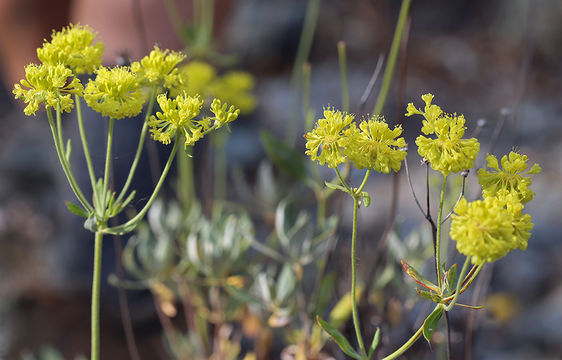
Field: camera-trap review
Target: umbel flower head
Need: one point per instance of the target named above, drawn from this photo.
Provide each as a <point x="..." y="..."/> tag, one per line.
<point x="484" y="229"/>
<point x="74" y="47"/>
<point x="449" y="152"/>
<point x="374" y="146"/>
<point x="115" y="92"/>
<point x="177" y="115"/>
<point x="510" y="177"/>
<point x="324" y="143"/>
<point x="159" y="68"/>
<point x="51" y="85"/>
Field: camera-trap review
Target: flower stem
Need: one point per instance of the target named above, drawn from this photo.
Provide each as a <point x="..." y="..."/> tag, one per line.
<point x="85" y="143"/>
<point x="140" y="146"/>
<point x="459" y="283"/>
<point x="406" y="345"/>
<point x="95" y="335"/>
<point x="129" y="225"/>
<point x="108" y="155"/>
<point x="65" y="166"/>
<point x="439" y="226"/>
<point x="354" y="278"/>
<point x="392" y="56"/>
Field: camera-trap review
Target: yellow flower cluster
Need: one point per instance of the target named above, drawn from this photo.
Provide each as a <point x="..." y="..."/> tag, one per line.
<point x="510" y="178"/>
<point x="336" y="139"/>
<point x="483" y="229"/>
<point x="48" y="84"/>
<point x="234" y="87"/>
<point x="488" y="229"/>
<point x="159" y="68"/>
<point x="115" y="92"/>
<point x="374" y="146"/>
<point x="179" y="114"/>
<point x="73" y="47"/>
<point x="448" y="152"/>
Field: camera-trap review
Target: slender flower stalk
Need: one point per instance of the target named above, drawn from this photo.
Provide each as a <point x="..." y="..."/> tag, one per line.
<point x="95" y="310"/>
<point x="439" y="226"/>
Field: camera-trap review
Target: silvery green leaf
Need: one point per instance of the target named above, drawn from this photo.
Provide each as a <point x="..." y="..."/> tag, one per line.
<point x="285" y="284"/>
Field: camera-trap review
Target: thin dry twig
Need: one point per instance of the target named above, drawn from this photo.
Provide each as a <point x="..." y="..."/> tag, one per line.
<point x="371" y="85"/>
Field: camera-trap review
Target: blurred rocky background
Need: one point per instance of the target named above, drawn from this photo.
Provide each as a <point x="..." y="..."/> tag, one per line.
<point x="493" y="60"/>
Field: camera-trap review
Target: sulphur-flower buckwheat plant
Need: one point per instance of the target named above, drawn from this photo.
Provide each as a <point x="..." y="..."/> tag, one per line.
<point x="334" y="141"/>
<point x="484" y="230"/>
<point x="117" y="93"/>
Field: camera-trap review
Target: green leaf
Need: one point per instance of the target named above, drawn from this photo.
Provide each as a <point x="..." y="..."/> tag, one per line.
<point x="430" y="324"/>
<point x="76" y="210"/>
<point x="366" y="198"/>
<point x="91" y="223"/>
<point x="335" y="187"/>
<point x="338" y="337"/>
<point x="452" y="279"/>
<point x="430" y="295"/>
<point x="374" y="343"/>
<point x="285" y="284"/>
<point x="283" y="156"/>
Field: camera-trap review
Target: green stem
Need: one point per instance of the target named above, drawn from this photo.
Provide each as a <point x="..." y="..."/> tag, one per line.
<point x="108" y="155"/>
<point x="365" y="178"/>
<point x="95" y="335"/>
<point x="438" y="237"/>
<point x="129" y="225"/>
<point x="406" y="345"/>
<point x="343" y="182"/>
<point x="459" y="283"/>
<point x="140" y="147"/>
<point x="65" y="166"/>
<point x="343" y="75"/>
<point x="392" y="56"/>
<point x="354" y="279"/>
<point x="85" y="143"/>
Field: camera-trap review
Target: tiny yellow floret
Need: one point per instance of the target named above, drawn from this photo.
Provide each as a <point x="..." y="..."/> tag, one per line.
<point x="51" y="85"/>
<point x="115" y="92"/>
<point x="74" y="47"/>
